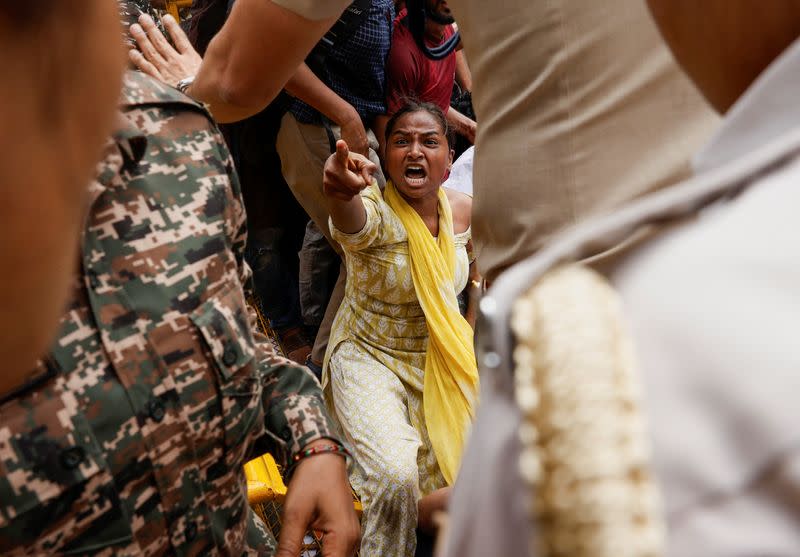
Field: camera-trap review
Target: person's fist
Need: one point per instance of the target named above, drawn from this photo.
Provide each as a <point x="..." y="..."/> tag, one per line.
<point x="319" y="499"/>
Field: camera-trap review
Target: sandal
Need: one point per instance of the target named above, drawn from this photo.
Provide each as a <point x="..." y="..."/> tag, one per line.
<point x="295" y="344"/>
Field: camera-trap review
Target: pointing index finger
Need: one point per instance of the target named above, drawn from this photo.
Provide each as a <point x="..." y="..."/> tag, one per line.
<point x="342" y="152"/>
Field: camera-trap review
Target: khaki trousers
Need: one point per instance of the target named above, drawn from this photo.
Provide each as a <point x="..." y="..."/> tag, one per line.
<point x="581" y="108"/>
<point x="303" y="150"/>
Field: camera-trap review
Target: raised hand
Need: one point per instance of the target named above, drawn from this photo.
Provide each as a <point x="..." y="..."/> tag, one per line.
<point x="346" y="173"/>
<point x="159" y="59"/>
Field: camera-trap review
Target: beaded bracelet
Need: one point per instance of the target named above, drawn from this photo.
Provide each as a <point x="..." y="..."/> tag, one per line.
<point x="322" y="449"/>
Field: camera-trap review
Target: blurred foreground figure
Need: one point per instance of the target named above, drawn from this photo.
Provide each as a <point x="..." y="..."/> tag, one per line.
<point x="582" y="108"/>
<point x="700" y="311"/>
<point x="56" y="114"/>
<point x="132" y="437"/>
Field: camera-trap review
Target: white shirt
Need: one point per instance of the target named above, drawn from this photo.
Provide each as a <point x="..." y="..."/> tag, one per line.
<point x="460" y="178"/>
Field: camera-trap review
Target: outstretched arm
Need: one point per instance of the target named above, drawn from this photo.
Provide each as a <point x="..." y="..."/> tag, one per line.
<point x="252" y="57"/>
<point x="319" y="496"/>
<point x="310" y="89"/>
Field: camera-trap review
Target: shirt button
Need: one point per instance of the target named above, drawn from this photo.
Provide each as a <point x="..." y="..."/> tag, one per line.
<point x="94" y="281"/>
<point x="156" y="410"/>
<point x="191" y="531"/>
<point x="230" y="355"/>
<point x="72" y="458"/>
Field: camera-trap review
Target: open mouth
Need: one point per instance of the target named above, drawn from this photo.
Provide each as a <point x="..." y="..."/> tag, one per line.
<point x="415" y="175"/>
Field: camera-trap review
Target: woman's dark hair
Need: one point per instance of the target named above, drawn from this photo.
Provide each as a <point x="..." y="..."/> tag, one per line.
<point x="416" y="106"/>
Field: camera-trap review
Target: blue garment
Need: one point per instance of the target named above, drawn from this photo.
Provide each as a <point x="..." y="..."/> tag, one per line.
<point x="355" y="70"/>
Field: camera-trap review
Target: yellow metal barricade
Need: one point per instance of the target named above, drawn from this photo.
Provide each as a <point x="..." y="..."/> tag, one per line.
<point x="174" y="7"/>
<point x="266" y="490"/>
<point x="266" y="493"/>
<point x="264" y="481"/>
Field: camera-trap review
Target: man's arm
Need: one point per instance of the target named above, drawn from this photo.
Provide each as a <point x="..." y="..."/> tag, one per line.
<point x="309" y="88"/>
<point x="247" y="63"/>
<point x="293" y="405"/>
<point x="463" y="73"/>
<point x="461" y="124"/>
<point x="318" y="495"/>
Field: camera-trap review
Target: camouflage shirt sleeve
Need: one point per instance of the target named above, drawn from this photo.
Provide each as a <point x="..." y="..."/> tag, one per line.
<point x="293" y="403"/>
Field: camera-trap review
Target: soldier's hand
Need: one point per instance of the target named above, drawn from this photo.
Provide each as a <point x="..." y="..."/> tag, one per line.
<point x="319" y="499"/>
<point x="346" y="173"/>
<point x="159" y="59"/>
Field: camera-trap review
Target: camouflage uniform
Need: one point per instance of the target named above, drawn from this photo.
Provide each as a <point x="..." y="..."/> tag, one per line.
<point x="130" y="436"/>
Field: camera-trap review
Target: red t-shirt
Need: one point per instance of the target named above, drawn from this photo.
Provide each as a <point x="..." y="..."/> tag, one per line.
<point x="411" y="74"/>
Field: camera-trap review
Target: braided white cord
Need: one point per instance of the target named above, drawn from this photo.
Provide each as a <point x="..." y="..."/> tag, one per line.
<point x="585" y="446"/>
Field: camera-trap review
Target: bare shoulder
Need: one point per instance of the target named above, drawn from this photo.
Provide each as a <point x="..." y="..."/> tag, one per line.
<point x="461" y="205"/>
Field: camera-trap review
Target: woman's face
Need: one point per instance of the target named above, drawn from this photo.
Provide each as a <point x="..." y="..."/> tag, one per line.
<point x="417" y="155"/>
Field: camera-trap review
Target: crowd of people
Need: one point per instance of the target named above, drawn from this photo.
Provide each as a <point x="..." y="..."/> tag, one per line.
<point x="630" y="251"/>
<point x="372" y="336"/>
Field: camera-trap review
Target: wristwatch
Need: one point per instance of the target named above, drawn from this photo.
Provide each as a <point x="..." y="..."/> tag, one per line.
<point x="184" y="84"/>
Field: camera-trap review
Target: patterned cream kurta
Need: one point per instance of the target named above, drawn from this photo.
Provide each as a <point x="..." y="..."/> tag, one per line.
<point x="374" y="373"/>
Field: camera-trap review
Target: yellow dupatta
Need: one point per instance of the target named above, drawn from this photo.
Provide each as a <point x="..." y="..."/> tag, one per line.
<point x="451" y="376"/>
